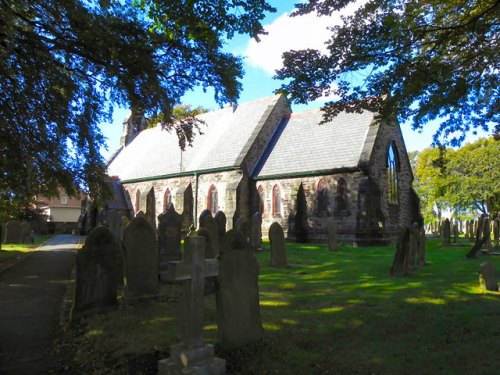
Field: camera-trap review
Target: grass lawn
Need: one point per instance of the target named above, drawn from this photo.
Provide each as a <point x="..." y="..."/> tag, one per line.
<point x="10" y="252"/>
<point x="329" y="313"/>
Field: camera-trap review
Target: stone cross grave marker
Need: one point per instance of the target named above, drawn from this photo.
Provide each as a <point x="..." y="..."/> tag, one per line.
<point x="192" y="355"/>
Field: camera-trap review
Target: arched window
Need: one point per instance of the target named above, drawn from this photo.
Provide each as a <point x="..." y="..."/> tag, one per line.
<point x="392" y="174"/>
<point x="276" y="200"/>
<point x="262" y="199"/>
<point x="322" y="198"/>
<point x="341" y="195"/>
<point x="212" y="200"/>
<point x="167" y="200"/>
<point x="137" y="200"/>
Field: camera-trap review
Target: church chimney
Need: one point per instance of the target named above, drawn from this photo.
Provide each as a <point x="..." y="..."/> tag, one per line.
<point x="133" y="124"/>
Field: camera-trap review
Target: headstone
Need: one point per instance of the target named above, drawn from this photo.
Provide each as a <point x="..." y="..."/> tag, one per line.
<point x="13" y="232"/>
<point x="220" y="219"/>
<point x="124" y="223"/>
<point x="192" y="355"/>
<point x="243" y="226"/>
<point x="278" y="251"/>
<point x="141" y="260"/>
<point x="169" y="237"/>
<point x="239" y="320"/>
<point x="205" y="213"/>
<point x="208" y="222"/>
<point x="98" y="273"/>
<point x="26" y="234"/>
<point x="467" y="229"/>
<point x="402" y="248"/>
<point x="455" y="233"/>
<point x="255" y="232"/>
<point x="446" y="233"/>
<point x="488" y="277"/>
<point x="496" y="232"/>
<point x="332" y="235"/>
<point x="411" y="259"/>
<point x="421" y="249"/>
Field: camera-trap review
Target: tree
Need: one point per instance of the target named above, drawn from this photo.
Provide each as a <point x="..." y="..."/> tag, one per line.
<point x="420" y="59"/>
<point x="65" y="63"/>
<point x="473" y="177"/>
<point x="465" y="180"/>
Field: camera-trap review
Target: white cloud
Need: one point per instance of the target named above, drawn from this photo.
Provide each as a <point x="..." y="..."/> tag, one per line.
<point x="287" y="33"/>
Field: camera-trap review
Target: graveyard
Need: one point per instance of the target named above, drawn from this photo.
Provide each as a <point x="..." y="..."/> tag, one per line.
<point x="324" y="312"/>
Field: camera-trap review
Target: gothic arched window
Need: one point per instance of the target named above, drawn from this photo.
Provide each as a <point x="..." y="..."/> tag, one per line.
<point x="322" y="197"/>
<point x="212" y="204"/>
<point x="392" y="174"/>
<point x="262" y="199"/>
<point x="341" y="195"/>
<point x="137" y="200"/>
<point x="276" y="200"/>
<point x="167" y="200"/>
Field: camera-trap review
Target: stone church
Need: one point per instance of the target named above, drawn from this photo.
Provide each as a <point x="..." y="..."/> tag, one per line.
<point x="261" y="157"/>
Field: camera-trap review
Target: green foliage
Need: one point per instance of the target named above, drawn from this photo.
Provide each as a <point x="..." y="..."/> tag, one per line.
<point x="466" y="180"/>
<point x="64" y="63"/>
<point x="422" y="59"/>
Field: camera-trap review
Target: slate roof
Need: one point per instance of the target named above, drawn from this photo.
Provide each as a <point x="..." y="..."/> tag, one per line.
<point x="155" y="152"/>
<point x="301" y="145"/>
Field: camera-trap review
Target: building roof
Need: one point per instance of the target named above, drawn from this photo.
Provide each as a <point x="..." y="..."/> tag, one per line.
<point x="155" y="152"/>
<point x="301" y="145"/>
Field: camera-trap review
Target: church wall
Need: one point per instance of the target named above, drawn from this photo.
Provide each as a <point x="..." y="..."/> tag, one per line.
<point x="396" y="215"/>
<point x="316" y="217"/>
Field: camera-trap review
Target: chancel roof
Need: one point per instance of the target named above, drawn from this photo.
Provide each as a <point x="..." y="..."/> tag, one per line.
<point x="155" y="152"/>
<point x="300" y="145"/>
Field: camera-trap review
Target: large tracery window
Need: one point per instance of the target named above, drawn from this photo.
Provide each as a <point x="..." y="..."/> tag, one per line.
<point x="213" y="204"/>
<point x="322" y="194"/>
<point x="167" y="200"/>
<point x="262" y="199"/>
<point x="392" y="174"/>
<point x="276" y="201"/>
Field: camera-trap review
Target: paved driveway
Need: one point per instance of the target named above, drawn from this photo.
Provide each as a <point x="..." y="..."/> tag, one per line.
<point x="31" y="294"/>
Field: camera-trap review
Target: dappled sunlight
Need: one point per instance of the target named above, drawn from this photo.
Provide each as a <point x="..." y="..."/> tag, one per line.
<point x="157" y="320"/>
<point x="291" y="322"/>
<point x="95" y="333"/>
<point x="210" y="328"/>
<point x="271" y="326"/>
<point x="273" y="303"/>
<point x="426" y="300"/>
<point x="331" y="310"/>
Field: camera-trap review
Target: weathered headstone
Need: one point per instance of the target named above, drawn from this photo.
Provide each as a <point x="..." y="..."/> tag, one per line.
<point x="332" y="235"/>
<point x="169" y="237"/>
<point x="496" y="232"/>
<point x="123" y="224"/>
<point x="239" y="320"/>
<point x="255" y="232"/>
<point x="421" y="249"/>
<point x="402" y="248"/>
<point x="278" y="248"/>
<point x="411" y="259"/>
<point x="455" y="233"/>
<point x="141" y="260"/>
<point x="243" y="226"/>
<point x="98" y="273"/>
<point x="208" y="222"/>
<point x="114" y="222"/>
<point x="13" y="232"/>
<point x="446" y="233"/>
<point x="488" y="277"/>
<point x="192" y="355"/>
<point x="220" y="219"/>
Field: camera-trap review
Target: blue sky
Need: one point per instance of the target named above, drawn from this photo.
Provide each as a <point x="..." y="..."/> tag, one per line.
<point x="260" y="62"/>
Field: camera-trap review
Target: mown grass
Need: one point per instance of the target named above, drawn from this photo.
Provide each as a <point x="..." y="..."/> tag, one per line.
<point x="338" y="313"/>
<point x="11" y="251"/>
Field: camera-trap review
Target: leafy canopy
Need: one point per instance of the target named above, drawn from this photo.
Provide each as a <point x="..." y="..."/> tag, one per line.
<point x="65" y="63"/>
<point x="423" y="59"/>
<point x="466" y="180"/>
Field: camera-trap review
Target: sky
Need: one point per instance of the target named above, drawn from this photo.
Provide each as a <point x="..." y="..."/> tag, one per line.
<point x="261" y="61"/>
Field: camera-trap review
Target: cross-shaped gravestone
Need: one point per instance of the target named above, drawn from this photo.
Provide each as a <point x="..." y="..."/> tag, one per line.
<point x="192" y="354"/>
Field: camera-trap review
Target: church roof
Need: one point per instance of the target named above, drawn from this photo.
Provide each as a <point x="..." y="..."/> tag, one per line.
<point x="155" y="152"/>
<point x="300" y="145"/>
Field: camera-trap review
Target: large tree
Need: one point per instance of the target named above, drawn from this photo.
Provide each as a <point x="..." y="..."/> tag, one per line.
<point x="65" y="63"/>
<point x="419" y="59"/>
